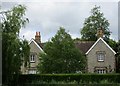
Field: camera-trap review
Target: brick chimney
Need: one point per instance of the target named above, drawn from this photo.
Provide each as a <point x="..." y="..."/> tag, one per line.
<point x="100" y="33"/>
<point x="38" y="37"/>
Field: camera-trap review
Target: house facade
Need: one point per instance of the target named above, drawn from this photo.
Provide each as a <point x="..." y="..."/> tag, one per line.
<point x="100" y="56"/>
<point x="35" y="50"/>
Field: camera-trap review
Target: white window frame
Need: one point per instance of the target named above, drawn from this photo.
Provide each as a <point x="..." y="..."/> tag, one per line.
<point x="101" y="71"/>
<point x="32" y="71"/>
<point x="32" y="58"/>
<point x="100" y="56"/>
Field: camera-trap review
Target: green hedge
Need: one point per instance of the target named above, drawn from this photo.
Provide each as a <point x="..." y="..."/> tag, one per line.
<point x="79" y="78"/>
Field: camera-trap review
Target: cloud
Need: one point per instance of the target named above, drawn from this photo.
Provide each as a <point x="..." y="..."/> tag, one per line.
<point x="47" y="17"/>
<point x="8" y="5"/>
<point x="60" y="0"/>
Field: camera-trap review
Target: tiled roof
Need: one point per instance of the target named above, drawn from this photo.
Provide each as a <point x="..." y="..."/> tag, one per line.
<point x="84" y="46"/>
<point x="40" y="44"/>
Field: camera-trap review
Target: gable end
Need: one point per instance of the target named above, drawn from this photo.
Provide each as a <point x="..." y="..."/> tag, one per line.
<point x="32" y="40"/>
<point x="103" y="42"/>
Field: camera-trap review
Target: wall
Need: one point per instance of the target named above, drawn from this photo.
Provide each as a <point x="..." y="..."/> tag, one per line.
<point x="92" y="58"/>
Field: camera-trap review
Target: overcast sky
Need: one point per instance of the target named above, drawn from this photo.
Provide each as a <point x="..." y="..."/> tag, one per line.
<point x="47" y="17"/>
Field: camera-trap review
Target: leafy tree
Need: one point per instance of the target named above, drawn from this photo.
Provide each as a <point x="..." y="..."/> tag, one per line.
<point x="94" y="22"/>
<point x="118" y="58"/>
<point x="14" y="49"/>
<point x="61" y="55"/>
<point x="113" y="44"/>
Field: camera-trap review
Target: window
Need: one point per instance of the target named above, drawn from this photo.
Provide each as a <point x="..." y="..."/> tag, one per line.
<point x="100" y="56"/>
<point x="101" y="71"/>
<point x="32" y="71"/>
<point x="32" y="58"/>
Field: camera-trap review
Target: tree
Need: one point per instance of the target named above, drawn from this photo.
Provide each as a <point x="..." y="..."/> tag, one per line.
<point x="113" y="44"/>
<point x="118" y="58"/>
<point x="14" y="49"/>
<point x="94" y="22"/>
<point x="61" y="55"/>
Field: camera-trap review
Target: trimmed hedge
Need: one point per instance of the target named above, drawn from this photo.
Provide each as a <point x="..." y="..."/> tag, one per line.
<point x="79" y="78"/>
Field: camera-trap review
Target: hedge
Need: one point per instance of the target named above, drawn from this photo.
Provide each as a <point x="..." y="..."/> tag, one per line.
<point x="79" y="78"/>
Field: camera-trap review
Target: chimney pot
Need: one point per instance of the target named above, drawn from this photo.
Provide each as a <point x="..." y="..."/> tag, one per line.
<point x="100" y="33"/>
<point x="38" y="37"/>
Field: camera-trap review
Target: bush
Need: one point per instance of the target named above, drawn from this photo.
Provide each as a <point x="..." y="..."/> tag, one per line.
<point x="69" y="78"/>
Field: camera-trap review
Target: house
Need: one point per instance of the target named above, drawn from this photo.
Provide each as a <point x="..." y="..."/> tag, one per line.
<point x="100" y="56"/>
<point x="36" y="47"/>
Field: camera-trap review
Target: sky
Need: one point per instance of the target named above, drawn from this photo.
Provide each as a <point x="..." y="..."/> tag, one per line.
<point x="47" y="16"/>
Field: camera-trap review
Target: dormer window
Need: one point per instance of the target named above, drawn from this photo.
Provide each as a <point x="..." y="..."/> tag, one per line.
<point x="100" y="56"/>
<point x="32" y="57"/>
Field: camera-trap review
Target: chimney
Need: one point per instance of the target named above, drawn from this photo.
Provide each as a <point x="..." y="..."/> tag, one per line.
<point x="100" y="33"/>
<point x="38" y="37"/>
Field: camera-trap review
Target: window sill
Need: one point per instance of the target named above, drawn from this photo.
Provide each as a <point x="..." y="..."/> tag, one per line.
<point x="32" y="61"/>
<point x="100" y="60"/>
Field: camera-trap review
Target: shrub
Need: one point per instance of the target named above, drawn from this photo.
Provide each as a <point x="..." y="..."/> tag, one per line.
<point x="69" y="78"/>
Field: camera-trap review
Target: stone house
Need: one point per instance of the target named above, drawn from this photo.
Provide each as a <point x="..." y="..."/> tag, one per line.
<point x="100" y="56"/>
<point x="36" y="47"/>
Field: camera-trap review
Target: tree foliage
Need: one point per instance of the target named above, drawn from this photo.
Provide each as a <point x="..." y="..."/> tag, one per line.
<point x="113" y="44"/>
<point x="61" y="55"/>
<point x="118" y="58"/>
<point x="94" y="22"/>
<point x="14" y="49"/>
